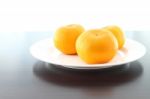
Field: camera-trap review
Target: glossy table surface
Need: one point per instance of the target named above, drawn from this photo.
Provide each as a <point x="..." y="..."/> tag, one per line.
<point x="24" y="77"/>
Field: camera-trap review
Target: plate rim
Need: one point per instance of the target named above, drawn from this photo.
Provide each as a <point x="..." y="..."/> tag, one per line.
<point x="93" y="66"/>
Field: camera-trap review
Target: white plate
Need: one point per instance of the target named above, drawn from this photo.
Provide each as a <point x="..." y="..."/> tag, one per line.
<point x="44" y="50"/>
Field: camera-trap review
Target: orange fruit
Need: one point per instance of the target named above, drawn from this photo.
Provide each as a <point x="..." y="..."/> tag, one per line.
<point x="96" y="46"/>
<point x="118" y="33"/>
<point x="65" y="38"/>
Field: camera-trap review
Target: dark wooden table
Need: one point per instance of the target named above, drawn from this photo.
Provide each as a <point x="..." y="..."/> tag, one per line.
<point x="24" y="77"/>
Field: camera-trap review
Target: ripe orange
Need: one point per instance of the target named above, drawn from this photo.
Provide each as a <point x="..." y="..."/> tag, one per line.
<point x="118" y="33"/>
<point x="65" y="38"/>
<point x="96" y="46"/>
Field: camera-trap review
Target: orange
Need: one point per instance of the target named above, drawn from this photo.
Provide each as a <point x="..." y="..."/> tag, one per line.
<point x="96" y="46"/>
<point x="118" y="33"/>
<point x="65" y="38"/>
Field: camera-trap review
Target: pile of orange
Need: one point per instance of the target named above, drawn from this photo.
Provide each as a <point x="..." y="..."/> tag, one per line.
<point x="92" y="46"/>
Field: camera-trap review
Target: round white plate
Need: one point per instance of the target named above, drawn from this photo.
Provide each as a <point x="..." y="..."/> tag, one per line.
<point x="44" y="50"/>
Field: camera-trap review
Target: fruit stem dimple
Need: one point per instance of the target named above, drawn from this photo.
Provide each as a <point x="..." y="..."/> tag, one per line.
<point x="96" y="34"/>
<point x="71" y="25"/>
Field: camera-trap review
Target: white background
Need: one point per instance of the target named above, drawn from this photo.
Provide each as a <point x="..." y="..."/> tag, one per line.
<point x="47" y="15"/>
